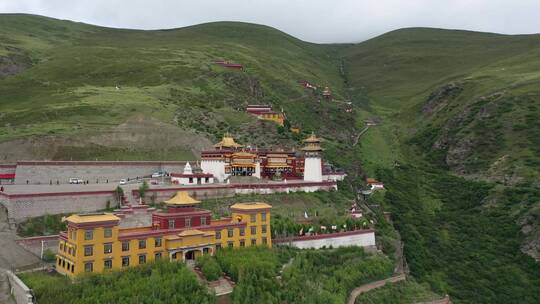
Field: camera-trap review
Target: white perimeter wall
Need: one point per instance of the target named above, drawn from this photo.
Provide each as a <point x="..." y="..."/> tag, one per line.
<point x="363" y="240"/>
<point x="44" y="174"/>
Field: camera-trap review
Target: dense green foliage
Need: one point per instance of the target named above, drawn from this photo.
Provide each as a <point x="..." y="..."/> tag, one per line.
<point x="233" y="261"/>
<point x="456" y="242"/>
<point x="209" y="267"/>
<point x="42" y="225"/>
<point x="328" y="276"/>
<point x="397" y="293"/>
<point x="160" y="282"/>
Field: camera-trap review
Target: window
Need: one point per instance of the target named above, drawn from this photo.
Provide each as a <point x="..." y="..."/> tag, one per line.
<point x="230" y="244"/>
<point x="188" y="222"/>
<point x="88" y="234"/>
<point x="191" y="180"/>
<point x="59" y="261"/>
<point x="264" y="241"/>
<point x="107" y="232"/>
<point x="88" y="267"/>
<point x="107" y="264"/>
<point x="253" y="242"/>
<point x="203" y="220"/>
<point x="253" y="230"/>
<point x="157" y="256"/>
<point x="171" y="224"/>
<point x="218" y="235"/>
<point x="242" y="231"/>
<point x="69" y="250"/>
<point x="142" y="244"/>
<point x="157" y="242"/>
<point x="88" y="250"/>
<point x="107" y="248"/>
<point x="218" y="247"/>
<point x="73" y="251"/>
<point x="61" y="246"/>
<point x="263" y="216"/>
<point x="72" y="268"/>
<point x="253" y="218"/>
<point x="242" y="243"/>
<point x="125" y="246"/>
<point x="264" y="229"/>
<point x="142" y="259"/>
<point x="230" y="232"/>
<point x="125" y="261"/>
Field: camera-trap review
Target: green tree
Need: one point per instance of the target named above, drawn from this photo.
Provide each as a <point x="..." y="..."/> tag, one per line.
<point x="118" y="194"/>
<point x="142" y="190"/>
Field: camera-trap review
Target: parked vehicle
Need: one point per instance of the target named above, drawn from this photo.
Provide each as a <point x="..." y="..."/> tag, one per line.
<point x="123" y="182"/>
<point x="158" y="174"/>
<point x="75" y="180"/>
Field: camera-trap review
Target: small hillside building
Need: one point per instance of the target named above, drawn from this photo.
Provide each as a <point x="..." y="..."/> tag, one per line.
<point x="265" y="112"/>
<point x="189" y="177"/>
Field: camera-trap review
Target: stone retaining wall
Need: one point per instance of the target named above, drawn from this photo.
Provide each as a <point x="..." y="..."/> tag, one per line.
<point x="22" y="206"/>
<point x="46" y="172"/>
<point x="228" y="190"/>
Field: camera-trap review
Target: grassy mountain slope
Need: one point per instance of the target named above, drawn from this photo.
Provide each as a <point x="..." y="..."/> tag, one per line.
<point x="469" y="99"/>
<point x="63" y="76"/>
<point x="452" y="104"/>
<point x="457" y="103"/>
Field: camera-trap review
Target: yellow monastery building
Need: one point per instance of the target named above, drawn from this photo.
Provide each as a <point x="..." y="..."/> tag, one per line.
<point x="95" y="242"/>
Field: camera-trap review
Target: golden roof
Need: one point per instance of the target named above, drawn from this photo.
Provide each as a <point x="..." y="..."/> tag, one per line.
<point x="243" y="154"/>
<point x="313" y="144"/>
<point x="227" y="142"/>
<point x="91" y="218"/>
<point x="190" y="232"/>
<point x="312" y="139"/>
<point x="251" y="206"/>
<point x="182" y="198"/>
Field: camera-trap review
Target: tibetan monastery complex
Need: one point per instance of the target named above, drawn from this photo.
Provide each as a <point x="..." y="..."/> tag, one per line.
<point x="95" y="242"/>
<point x="45" y="187"/>
<point x="229" y="158"/>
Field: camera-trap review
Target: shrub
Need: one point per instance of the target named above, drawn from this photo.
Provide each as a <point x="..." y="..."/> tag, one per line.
<point x="209" y="267"/>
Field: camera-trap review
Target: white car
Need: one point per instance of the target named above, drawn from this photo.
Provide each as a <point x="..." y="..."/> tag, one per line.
<point x="158" y="174"/>
<point x="74" y="180"/>
<point x="123" y="182"/>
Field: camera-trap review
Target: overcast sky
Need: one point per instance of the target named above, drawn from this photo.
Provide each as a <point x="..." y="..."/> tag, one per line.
<point x="310" y="20"/>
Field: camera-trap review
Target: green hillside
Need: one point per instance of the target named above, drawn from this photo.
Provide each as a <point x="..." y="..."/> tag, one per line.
<point x="457" y="142"/>
<point x="60" y="79"/>
<point x="457" y="103"/>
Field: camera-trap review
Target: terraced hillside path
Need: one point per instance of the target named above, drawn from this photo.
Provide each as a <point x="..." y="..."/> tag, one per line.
<point x="373" y="285"/>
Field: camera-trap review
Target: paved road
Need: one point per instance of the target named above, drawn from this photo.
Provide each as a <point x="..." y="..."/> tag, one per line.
<point x="373" y="285"/>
